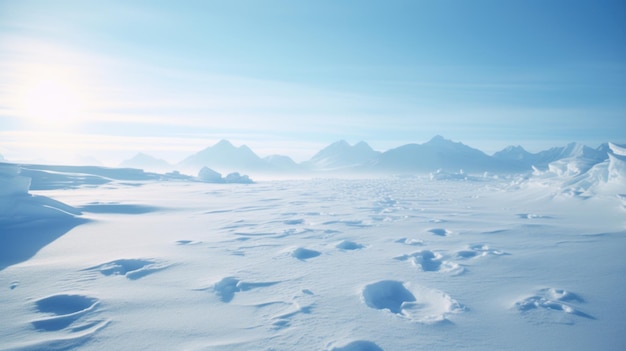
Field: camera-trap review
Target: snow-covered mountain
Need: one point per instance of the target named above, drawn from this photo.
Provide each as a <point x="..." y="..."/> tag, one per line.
<point x="581" y="173"/>
<point x="282" y="163"/>
<point x="439" y="154"/>
<point x="573" y="157"/>
<point x="146" y="162"/>
<point x="617" y="163"/>
<point x="515" y="154"/>
<point x="341" y="156"/>
<point x="225" y="157"/>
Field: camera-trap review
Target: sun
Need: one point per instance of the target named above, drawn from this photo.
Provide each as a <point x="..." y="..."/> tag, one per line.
<point x="52" y="100"/>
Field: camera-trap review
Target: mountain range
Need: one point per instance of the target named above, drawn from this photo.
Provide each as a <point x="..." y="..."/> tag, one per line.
<point x="438" y="154"/>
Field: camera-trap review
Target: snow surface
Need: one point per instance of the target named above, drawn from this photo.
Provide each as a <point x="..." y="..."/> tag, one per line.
<point x="392" y="263"/>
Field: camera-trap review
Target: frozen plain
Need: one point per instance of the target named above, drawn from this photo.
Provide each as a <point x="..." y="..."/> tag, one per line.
<point x="409" y="263"/>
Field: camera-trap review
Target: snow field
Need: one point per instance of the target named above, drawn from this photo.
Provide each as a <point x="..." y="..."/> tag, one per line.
<point x="384" y="264"/>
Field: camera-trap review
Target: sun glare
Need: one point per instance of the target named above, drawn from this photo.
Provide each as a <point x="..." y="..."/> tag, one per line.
<point x="51" y="99"/>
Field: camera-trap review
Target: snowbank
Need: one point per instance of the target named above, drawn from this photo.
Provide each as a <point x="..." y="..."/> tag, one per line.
<point x="584" y="176"/>
<point x="28" y="223"/>
<point x="11" y="183"/>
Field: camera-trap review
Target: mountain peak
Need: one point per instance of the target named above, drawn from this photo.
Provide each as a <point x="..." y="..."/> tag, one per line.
<point x="361" y="145"/>
<point x="340" y="155"/>
<point x="517" y="148"/>
<point x="224" y="144"/>
<point x="437" y="139"/>
<point x="340" y="143"/>
<point x="514" y="153"/>
<point x="226" y="157"/>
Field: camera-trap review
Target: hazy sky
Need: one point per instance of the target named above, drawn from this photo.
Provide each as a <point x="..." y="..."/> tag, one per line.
<point x="111" y="78"/>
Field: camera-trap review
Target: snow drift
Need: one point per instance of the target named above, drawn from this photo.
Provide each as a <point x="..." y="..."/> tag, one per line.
<point x="27" y="222"/>
<point x="585" y="175"/>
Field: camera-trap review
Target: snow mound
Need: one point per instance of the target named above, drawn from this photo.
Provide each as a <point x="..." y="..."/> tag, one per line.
<point x="387" y="295"/>
<point x="348" y="245"/>
<point x="67" y="321"/>
<point x="304" y="254"/>
<point x="65" y="309"/>
<point x="417" y="304"/>
<point x="440" y="231"/>
<point x="429" y="261"/>
<point x="479" y="250"/>
<point x="358" y="345"/>
<point x="410" y="241"/>
<point x="553" y="300"/>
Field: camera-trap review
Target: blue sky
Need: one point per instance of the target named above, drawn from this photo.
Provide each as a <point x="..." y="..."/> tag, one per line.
<point x="111" y="78"/>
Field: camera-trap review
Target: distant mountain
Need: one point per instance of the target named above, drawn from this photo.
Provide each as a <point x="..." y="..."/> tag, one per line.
<point x="341" y="156"/>
<point x="282" y="163"/>
<point x="514" y="153"/>
<point x="146" y="162"/>
<point x="439" y="154"/>
<point x="225" y="157"/>
<point x="1" y="158"/>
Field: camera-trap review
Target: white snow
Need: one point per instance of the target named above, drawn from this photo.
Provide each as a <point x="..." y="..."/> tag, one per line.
<point x="617" y="149"/>
<point x="391" y="263"/>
